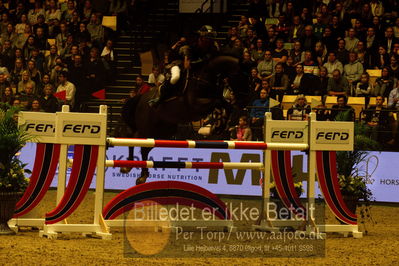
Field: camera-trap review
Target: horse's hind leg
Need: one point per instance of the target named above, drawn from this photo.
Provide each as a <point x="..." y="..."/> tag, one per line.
<point x="145" y="173"/>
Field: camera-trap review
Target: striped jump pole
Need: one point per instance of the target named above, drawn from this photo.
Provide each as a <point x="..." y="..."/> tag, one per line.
<point x="188" y="165"/>
<point x="192" y="144"/>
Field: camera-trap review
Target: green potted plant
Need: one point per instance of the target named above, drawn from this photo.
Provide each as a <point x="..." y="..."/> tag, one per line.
<point x="12" y="171"/>
<point x="352" y="183"/>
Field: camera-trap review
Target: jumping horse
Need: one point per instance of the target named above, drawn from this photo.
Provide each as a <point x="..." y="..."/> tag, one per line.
<point x="199" y="92"/>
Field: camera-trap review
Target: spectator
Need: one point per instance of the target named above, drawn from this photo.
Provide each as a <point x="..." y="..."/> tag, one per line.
<point x="45" y="81"/>
<point x="394" y="66"/>
<point x="308" y="40"/>
<point x="279" y="54"/>
<point x="342" y="111"/>
<point x="384" y="84"/>
<point x="257" y="114"/>
<point x="82" y="35"/>
<point x="333" y="64"/>
<point x="26" y="81"/>
<point x="35" y="12"/>
<point x="61" y="38"/>
<point x="278" y="83"/>
<point x="254" y="84"/>
<point x="52" y="13"/>
<point x="7" y="96"/>
<point x="322" y="83"/>
<point x="329" y="40"/>
<point x="320" y="53"/>
<point x="95" y="71"/>
<point x="96" y="31"/>
<point x="301" y="83"/>
<point x="341" y="53"/>
<point x="29" y="46"/>
<point x="68" y="13"/>
<point x="23" y="37"/>
<point x="35" y="106"/>
<point x="3" y="83"/>
<point x="377" y="8"/>
<point x="68" y="87"/>
<point x="49" y="60"/>
<point x="87" y="11"/>
<point x="267" y="65"/>
<point x="296" y="30"/>
<point x="319" y="27"/>
<point x="389" y="40"/>
<point x="353" y="70"/>
<point x="108" y="56"/>
<point x="27" y="96"/>
<point x="351" y="41"/>
<point x="41" y="24"/>
<point x="381" y="59"/>
<point x="59" y="67"/>
<point x="271" y="39"/>
<point x="48" y="101"/>
<point x="141" y="86"/>
<point x="16" y="74"/>
<point x="337" y="85"/>
<point x="247" y="63"/>
<point x="300" y="110"/>
<point x="155" y="78"/>
<point x="34" y="74"/>
<point x="258" y="53"/>
<point x="297" y="54"/>
<point x="379" y="121"/>
<point x="242" y="132"/>
<point x="10" y="35"/>
<point x="364" y="88"/>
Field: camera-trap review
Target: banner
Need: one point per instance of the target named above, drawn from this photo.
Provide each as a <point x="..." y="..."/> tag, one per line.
<point x="377" y="170"/>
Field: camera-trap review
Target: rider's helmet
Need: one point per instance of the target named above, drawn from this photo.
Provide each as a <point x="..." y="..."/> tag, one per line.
<point x="207" y="31"/>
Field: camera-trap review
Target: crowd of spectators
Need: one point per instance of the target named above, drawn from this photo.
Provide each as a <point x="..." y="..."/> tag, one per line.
<point x="320" y="48"/>
<point x="50" y="46"/>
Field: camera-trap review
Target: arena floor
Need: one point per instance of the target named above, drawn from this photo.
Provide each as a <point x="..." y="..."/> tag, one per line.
<point x="379" y="247"/>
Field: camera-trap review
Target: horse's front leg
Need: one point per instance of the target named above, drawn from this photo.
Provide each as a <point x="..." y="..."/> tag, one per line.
<point x="130" y="157"/>
<point x="145" y="173"/>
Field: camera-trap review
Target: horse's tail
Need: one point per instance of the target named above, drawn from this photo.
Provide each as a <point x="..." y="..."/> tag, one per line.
<point x="129" y="111"/>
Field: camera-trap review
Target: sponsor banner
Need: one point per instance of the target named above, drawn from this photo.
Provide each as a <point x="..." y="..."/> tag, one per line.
<point x="287" y="131"/>
<point x="41" y="125"/>
<point x="327" y="136"/>
<point x="377" y="170"/>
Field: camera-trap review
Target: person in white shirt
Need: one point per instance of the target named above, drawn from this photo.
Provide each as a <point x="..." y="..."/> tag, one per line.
<point x="67" y="86"/>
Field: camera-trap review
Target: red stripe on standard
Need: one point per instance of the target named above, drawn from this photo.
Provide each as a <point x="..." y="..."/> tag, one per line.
<point x="250" y="146"/>
<point x="132" y="164"/>
<point x="171" y="143"/>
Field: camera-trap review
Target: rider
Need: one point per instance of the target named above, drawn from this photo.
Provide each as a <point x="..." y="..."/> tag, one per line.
<point x="192" y="56"/>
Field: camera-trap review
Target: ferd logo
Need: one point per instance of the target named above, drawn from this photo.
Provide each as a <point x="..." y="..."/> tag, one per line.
<point x="81" y="129"/>
<point x="288" y="135"/>
<point x="40" y="128"/>
<point x="332" y="136"/>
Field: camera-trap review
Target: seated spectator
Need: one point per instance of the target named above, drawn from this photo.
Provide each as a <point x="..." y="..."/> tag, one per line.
<point x="35" y="106"/>
<point x="34" y="74"/>
<point x="300" y="110"/>
<point x="267" y="65"/>
<point x="394" y="66"/>
<point x="278" y="83"/>
<point x="21" y="26"/>
<point x="342" y="53"/>
<point x="364" y="88"/>
<point x="29" y="46"/>
<point x="96" y="31"/>
<point x="16" y="74"/>
<point x="337" y="85"/>
<point x="297" y="29"/>
<point x="393" y="99"/>
<point x="26" y="81"/>
<point x="247" y="63"/>
<point x="351" y="41"/>
<point x="83" y="35"/>
<point x="109" y="56"/>
<point x="254" y="84"/>
<point x="381" y="59"/>
<point x="61" y="38"/>
<point x="41" y="40"/>
<point x="9" y="35"/>
<point x="35" y="12"/>
<point x="309" y="65"/>
<point x="297" y="54"/>
<point x="59" y="67"/>
<point x="379" y="121"/>
<point x="279" y="54"/>
<point x="342" y="111"/>
<point x="3" y="83"/>
<point x="329" y="40"/>
<point x="258" y="52"/>
<point x="49" y="60"/>
<point x="155" y="78"/>
<point x="45" y="81"/>
<point x="27" y="96"/>
<point x="384" y="84"/>
<point x="95" y="71"/>
<point x="321" y="83"/>
<point x="7" y="96"/>
<point x="353" y="70"/>
<point x="16" y="102"/>
<point x="141" y="86"/>
<point x="257" y="114"/>
<point x="48" y="101"/>
<point x="68" y="87"/>
<point x="308" y="40"/>
<point x="242" y="132"/>
<point x="333" y="64"/>
<point x="301" y="83"/>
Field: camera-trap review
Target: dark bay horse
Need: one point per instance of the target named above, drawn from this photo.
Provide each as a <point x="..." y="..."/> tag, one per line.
<point x="199" y="93"/>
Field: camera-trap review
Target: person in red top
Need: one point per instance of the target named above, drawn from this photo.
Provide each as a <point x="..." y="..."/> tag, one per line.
<point x="142" y="87"/>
